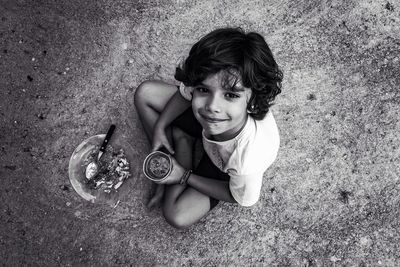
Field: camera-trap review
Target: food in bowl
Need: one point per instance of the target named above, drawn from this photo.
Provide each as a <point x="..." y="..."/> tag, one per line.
<point x="157" y="166"/>
<point x="114" y="169"/>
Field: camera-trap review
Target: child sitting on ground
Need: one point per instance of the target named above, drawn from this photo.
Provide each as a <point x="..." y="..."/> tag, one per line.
<point x="227" y="85"/>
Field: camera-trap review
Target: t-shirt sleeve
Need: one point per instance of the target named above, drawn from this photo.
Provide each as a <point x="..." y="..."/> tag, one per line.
<point x="246" y="189"/>
<point x="186" y="91"/>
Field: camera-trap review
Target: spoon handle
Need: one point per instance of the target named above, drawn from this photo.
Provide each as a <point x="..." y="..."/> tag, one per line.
<point x="105" y="142"/>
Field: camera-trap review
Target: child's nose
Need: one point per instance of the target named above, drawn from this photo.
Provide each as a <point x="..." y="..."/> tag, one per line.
<point x="213" y="104"/>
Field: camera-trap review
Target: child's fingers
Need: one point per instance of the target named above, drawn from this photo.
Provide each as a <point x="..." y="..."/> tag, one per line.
<point x="170" y="149"/>
<point x="155" y="147"/>
<point x="154" y="201"/>
<point x="160" y="144"/>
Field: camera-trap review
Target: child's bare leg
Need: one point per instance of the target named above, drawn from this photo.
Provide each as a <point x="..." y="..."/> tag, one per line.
<point x="150" y="99"/>
<point x="184" y="205"/>
<point x="188" y="208"/>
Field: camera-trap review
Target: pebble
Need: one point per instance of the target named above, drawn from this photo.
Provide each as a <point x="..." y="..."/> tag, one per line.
<point x="129" y="62"/>
<point x="334" y="259"/>
<point x="64" y="187"/>
<point x="41" y="116"/>
<point x="365" y="241"/>
<point x="78" y="213"/>
<point x="311" y="97"/>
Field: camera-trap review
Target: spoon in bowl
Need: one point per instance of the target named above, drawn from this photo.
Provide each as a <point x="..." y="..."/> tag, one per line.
<point x="93" y="168"/>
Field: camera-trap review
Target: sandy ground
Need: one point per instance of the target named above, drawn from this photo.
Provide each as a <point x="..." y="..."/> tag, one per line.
<point x="69" y="68"/>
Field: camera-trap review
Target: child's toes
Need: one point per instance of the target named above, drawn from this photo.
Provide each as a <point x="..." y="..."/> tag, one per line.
<point x="158" y="195"/>
<point x="154" y="201"/>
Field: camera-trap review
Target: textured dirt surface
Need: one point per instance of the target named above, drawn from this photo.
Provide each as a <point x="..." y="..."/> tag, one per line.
<point x="69" y="68"/>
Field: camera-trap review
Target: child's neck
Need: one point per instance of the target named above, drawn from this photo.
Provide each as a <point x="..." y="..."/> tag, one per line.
<point x="228" y="136"/>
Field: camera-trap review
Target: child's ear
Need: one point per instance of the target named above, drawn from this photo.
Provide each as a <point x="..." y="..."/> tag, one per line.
<point x="251" y="109"/>
<point x="251" y="104"/>
<point x="249" y="95"/>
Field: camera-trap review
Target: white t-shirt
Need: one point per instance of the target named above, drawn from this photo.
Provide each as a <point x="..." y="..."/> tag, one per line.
<point x="246" y="157"/>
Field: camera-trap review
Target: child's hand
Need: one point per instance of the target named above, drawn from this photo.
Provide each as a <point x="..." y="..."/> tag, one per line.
<point x="160" y="140"/>
<point x="176" y="174"/>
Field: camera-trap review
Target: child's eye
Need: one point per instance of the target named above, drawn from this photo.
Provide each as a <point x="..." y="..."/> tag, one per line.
<point x="231" y="95"/>
<point x="202" y="89"/>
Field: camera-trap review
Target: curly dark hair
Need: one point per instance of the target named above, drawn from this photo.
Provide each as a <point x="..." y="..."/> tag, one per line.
<point x="234" y="51"/>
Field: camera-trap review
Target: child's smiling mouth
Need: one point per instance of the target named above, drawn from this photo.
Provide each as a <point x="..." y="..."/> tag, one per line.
<point x="211" y="119"/>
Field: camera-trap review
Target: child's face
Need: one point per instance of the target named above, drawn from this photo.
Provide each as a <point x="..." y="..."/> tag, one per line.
<point x="221" y="112"/>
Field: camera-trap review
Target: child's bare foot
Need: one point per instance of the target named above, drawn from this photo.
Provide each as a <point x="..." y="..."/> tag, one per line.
<point x="157" y="197"/>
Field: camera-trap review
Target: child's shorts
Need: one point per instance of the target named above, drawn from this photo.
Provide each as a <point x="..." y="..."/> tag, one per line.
<point x="188" y="123"/>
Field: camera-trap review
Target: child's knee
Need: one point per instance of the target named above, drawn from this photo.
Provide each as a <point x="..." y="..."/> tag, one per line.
<point x="175" y="217"/>
<point x="143" y="92"/>
<point x="180" y="136"/>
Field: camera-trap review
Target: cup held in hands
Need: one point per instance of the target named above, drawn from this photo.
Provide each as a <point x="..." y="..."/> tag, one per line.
<point x="157" y="166"/>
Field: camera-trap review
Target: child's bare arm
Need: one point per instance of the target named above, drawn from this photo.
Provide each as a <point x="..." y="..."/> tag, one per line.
<point x="174" y="107"/>
<point x="211" y="187"/>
